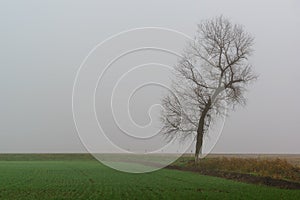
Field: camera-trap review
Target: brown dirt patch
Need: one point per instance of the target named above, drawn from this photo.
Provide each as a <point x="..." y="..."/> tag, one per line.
<point x="247" y="178"/>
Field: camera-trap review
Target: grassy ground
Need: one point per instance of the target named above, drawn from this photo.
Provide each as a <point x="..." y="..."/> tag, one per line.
<point x="80" y="177"/>
<point x="274" y="167"/>
<point x="293" y="159"/>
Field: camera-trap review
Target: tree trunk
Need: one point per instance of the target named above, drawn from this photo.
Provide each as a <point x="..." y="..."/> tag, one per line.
<point x="200" y="133"/>
<point x="199" y="142"/>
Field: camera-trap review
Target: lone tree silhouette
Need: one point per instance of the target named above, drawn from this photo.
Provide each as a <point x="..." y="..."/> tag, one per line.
<point x="211" y="77"/>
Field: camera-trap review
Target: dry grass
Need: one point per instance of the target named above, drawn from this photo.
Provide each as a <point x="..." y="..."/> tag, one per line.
<point x="278" y="168"/>
<point x="293" y="159"/>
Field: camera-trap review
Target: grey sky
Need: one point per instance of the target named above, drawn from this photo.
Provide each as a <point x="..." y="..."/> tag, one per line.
<point x="43" y="43"/>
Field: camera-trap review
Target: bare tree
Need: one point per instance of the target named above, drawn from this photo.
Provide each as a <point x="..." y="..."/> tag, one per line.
<point x="211" y="77"/>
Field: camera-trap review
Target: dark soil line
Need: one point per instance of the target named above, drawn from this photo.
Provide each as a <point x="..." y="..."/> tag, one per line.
<point x="247" y="178"/>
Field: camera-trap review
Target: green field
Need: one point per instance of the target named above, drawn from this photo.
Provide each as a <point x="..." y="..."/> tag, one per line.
<point x="60" y="177"/>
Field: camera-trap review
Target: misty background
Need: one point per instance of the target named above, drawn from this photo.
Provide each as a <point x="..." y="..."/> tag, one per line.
<point x="42" y="45"/>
